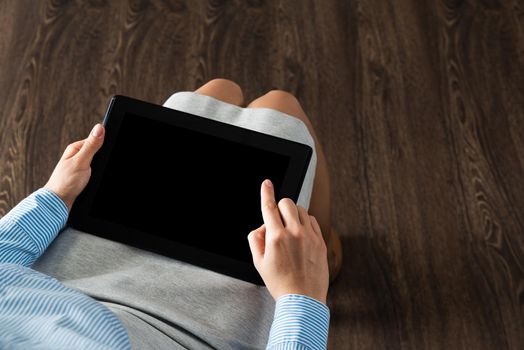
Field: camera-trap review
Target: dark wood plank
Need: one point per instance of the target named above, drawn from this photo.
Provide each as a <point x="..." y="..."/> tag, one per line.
<point x="419" y="105"/>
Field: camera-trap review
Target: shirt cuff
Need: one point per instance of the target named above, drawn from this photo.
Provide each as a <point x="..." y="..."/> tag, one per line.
<point x="41" y="216"/>
<point x="299" y="320"/>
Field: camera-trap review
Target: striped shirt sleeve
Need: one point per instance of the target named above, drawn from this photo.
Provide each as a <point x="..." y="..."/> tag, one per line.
<point x="28" y="229"/>
<point x="300" y="323"/>
<point x="36" y="310"/>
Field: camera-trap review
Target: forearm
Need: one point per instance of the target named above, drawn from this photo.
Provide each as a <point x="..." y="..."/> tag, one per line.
<point x="28" y="229"/>
<point x="300" y="323"/>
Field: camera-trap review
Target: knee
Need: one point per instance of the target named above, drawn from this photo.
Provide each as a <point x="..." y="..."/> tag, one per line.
<point x="285" y="102"/>
<point x="283" y="98"/>
<point x="223" y="89"/>
<point x="222" y="84"/>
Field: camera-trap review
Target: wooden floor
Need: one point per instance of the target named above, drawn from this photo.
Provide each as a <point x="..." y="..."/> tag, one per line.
<point x="418" y="103"/>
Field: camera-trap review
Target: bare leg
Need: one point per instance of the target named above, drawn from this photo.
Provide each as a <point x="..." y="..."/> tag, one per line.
<point x="320" y="206"/>
<point x="224" y="90"/>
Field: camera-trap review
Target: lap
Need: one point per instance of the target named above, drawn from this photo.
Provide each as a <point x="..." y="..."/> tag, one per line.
<point x="187" y="302"/>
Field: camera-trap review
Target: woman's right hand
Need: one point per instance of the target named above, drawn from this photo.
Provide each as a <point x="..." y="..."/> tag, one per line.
<point x="288" y="250"/>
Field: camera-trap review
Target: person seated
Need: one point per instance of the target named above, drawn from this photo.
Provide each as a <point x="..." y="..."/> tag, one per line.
<point x="290" y="251"/>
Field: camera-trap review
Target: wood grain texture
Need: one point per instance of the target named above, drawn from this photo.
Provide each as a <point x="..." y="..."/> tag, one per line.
<point x="418" y="103"/>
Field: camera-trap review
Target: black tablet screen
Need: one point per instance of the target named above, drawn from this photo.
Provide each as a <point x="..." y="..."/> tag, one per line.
<point x="186" y="186"/>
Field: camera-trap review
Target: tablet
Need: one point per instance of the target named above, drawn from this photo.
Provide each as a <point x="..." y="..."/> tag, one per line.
<point x="185" y="186"/>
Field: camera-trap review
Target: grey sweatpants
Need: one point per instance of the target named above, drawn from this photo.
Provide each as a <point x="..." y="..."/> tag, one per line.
<point x="165" y="303"/>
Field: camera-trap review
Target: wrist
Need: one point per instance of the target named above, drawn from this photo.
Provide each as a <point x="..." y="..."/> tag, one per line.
<point x="65" y="199"/>
<point x="307" y="298"/>
<point x="320" y="297"/>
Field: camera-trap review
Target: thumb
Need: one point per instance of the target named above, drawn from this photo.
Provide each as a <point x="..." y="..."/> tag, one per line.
<point x="91" y="145"/>
<point x="257" y="243"/>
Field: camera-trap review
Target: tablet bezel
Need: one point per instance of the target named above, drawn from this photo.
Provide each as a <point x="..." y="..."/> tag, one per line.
<point x="79" y="218"/>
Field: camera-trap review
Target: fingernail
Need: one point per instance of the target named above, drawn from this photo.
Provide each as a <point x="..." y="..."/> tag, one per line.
<point x="268" y="183"/>
<point x="97" y="131"/>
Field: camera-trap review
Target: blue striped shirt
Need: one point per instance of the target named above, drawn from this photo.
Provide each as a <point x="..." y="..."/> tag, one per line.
<point x="37" y="311"/>
<point x="300" y="323"/>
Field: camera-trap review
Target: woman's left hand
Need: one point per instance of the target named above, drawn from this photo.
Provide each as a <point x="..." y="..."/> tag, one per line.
<point x="73" y="170"/>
